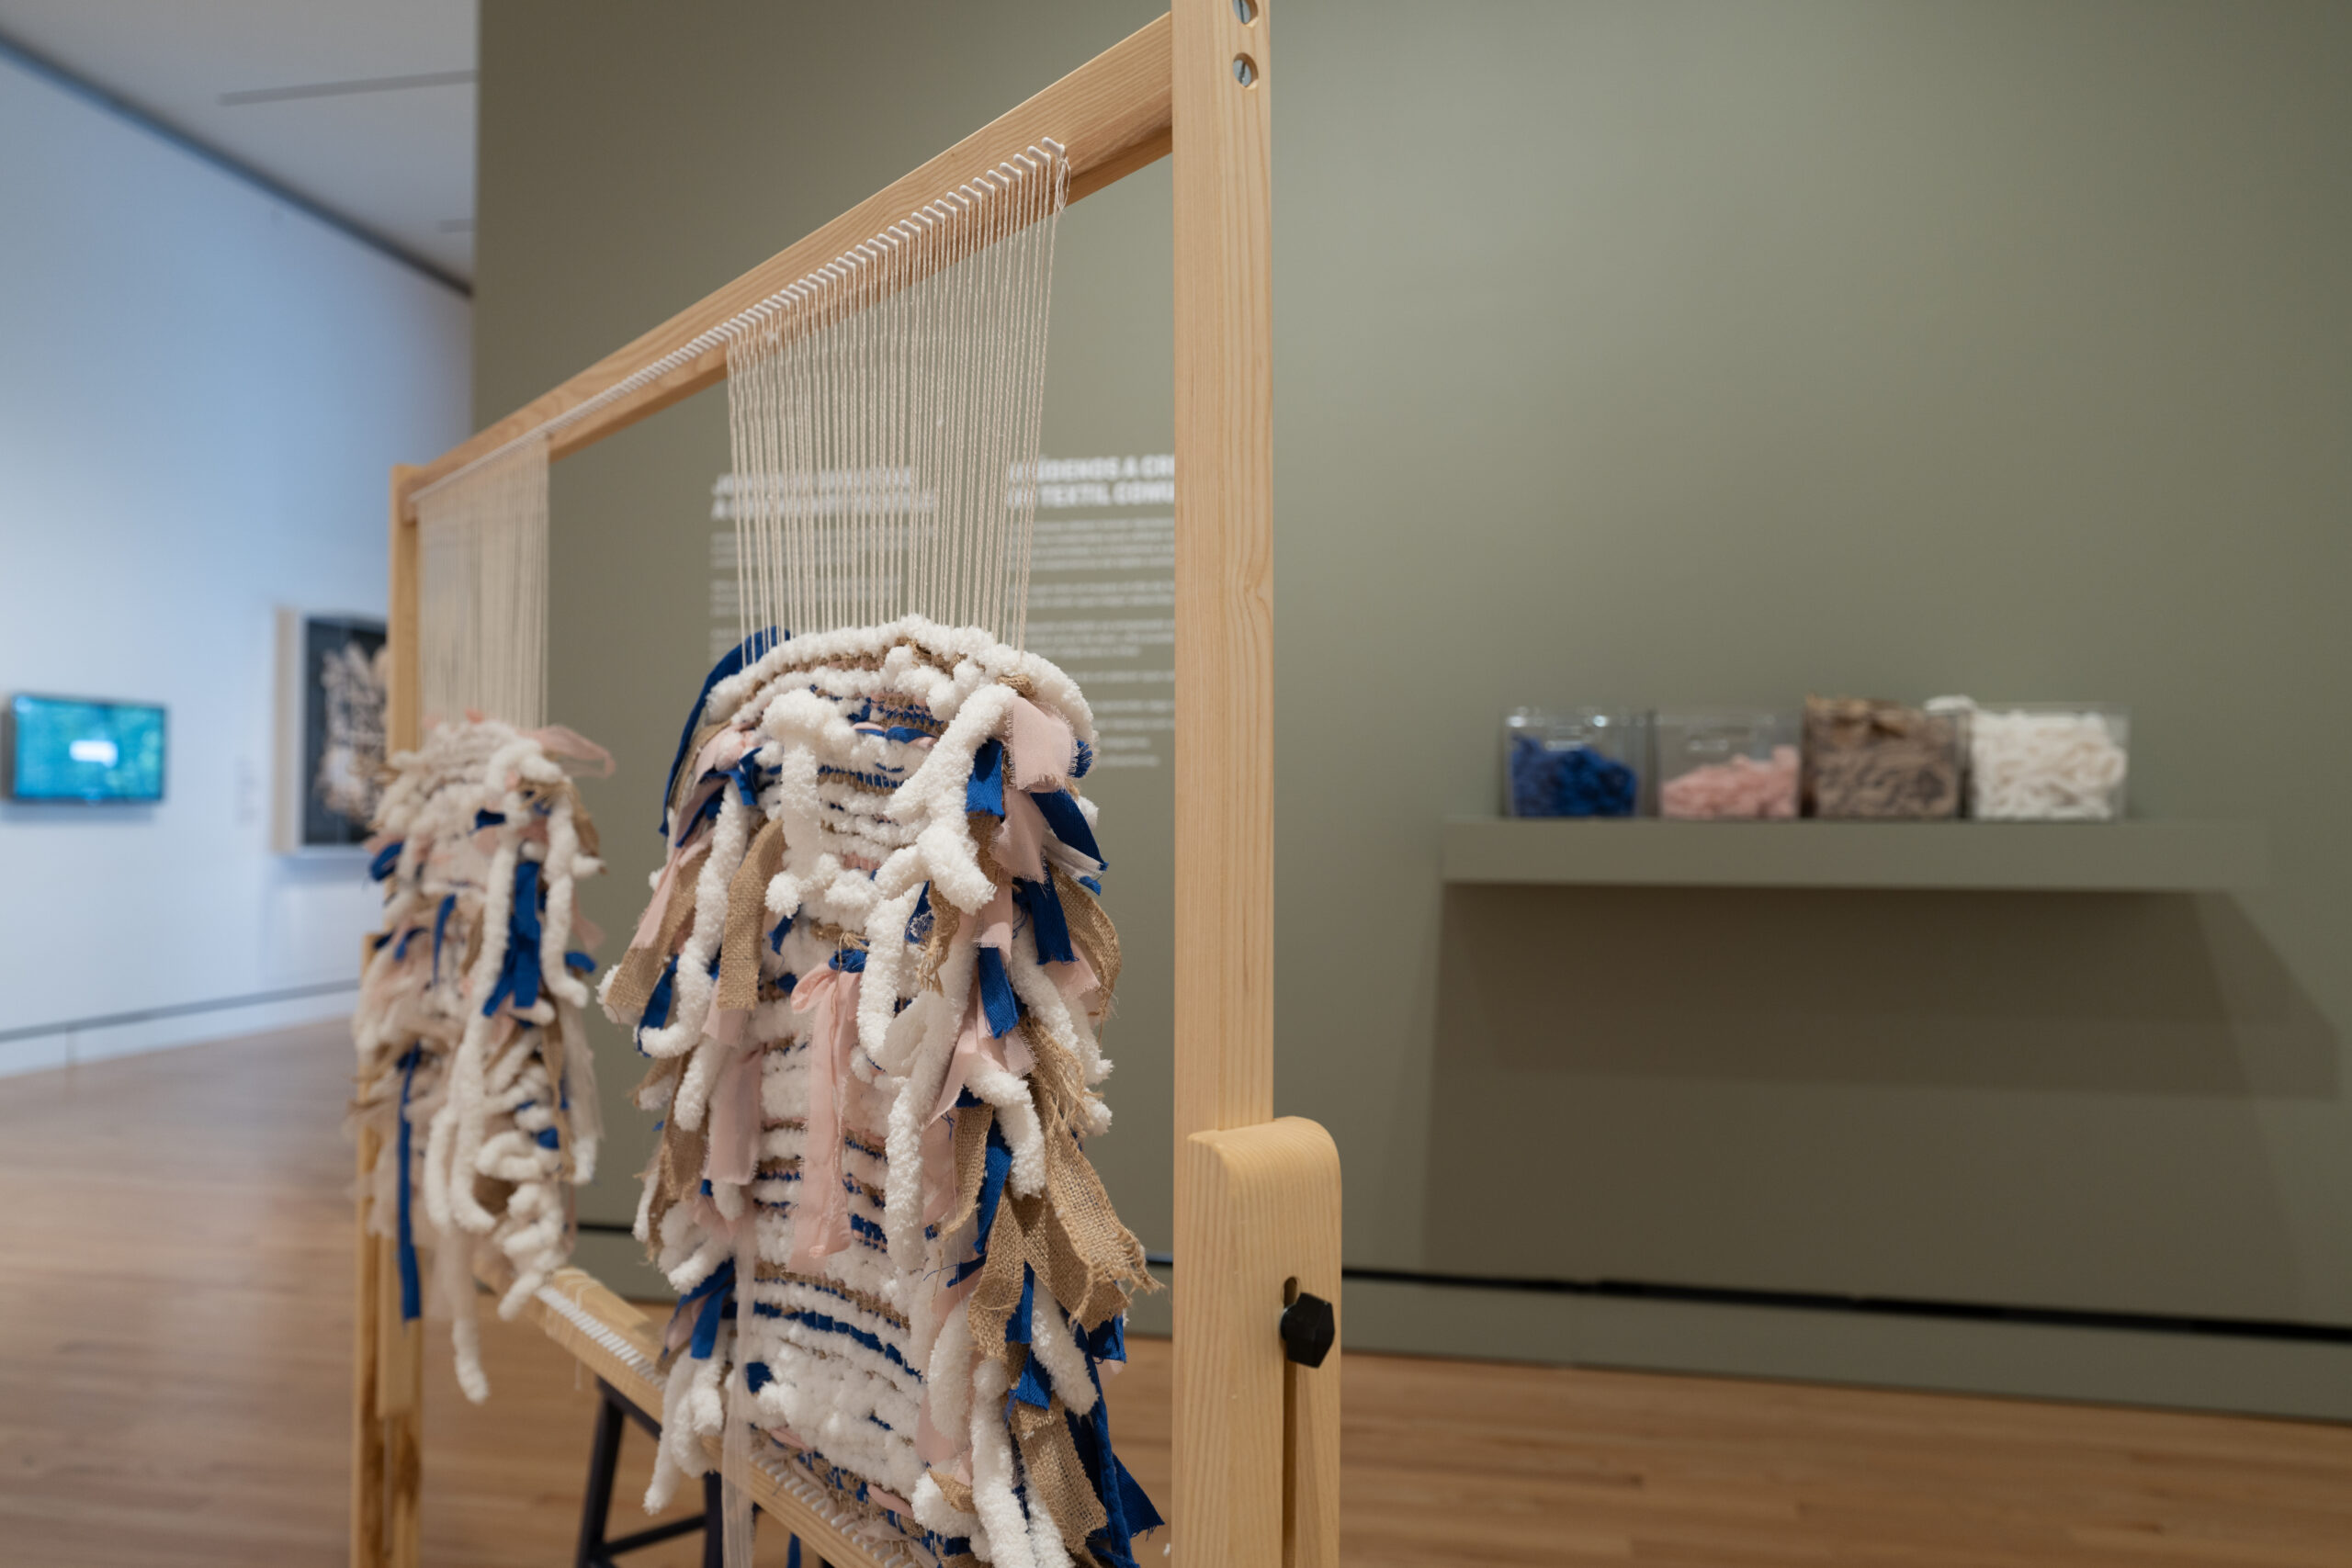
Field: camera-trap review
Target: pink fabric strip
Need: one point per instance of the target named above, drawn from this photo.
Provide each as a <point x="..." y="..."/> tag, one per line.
<point x="1043" y="751"/>
<point x="723" y="750"/>
<point x="972" y="1043"/>
<point x="1020" y="844"/>
<point x="932" y="1446"/>
<point x="996" y="919"/>
<point x="734" y="1142"/>
<point x="649" y="924"/>
<point x="821" y="1216"/>
<point x="1076" y="979"/>
<point x="938" y="1169"/>
<point x="562" y="740"/>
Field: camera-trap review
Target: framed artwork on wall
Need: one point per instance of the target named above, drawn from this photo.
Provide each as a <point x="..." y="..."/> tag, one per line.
<point x="330" y="730"/>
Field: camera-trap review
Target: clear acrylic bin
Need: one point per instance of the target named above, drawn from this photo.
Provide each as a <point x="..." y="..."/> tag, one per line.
<point x="1574" y="762"/>
<point x="2044" y="762"/>
<point x="1726" y="764"/>
<point x="1867" y="759"/>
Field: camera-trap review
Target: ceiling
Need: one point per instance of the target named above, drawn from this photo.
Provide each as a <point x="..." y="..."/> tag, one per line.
<point x="364" y="109"/>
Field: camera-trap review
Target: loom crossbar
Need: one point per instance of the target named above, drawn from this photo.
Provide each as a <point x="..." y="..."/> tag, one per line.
<point x="1257" y="1199"/>
<point x="1113" y="114"/>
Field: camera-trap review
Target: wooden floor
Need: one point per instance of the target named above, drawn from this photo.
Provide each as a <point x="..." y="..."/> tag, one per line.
<point x="175" y="1258"/>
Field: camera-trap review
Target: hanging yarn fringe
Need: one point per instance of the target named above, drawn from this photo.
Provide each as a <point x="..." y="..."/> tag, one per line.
<point x="868" y="982"/>
<point x="473" y="1069"/>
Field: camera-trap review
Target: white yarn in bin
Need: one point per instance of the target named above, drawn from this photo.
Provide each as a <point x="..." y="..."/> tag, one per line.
<point x="2041" y="764"/>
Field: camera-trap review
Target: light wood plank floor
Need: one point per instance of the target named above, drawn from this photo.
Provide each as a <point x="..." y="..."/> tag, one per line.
<point x="174" y="1257"/>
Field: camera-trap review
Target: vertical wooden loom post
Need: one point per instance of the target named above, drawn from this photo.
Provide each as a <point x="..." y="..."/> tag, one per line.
<point x="1257" y="1199"/>
<point x="387" y="1369"/>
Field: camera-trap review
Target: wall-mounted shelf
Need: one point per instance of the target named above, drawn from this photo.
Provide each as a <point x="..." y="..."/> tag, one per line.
<point x="2102" y="857"/>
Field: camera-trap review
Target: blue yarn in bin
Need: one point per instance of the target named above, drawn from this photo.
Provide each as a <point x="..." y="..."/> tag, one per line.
<point x="1567" y="781"/>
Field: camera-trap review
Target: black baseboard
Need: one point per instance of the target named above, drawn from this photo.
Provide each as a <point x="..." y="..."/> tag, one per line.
<point x="1817" y="1300"/>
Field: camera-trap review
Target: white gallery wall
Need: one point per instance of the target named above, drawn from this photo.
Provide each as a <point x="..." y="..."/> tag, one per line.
<point x="200" y="392"/>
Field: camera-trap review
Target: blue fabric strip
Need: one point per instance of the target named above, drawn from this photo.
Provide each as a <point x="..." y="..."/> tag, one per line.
<point x="1069" y="823"/>
<point x="518" y="976"/>
<point x="996" y="993"/>
<point x="757" y="1375"/>
<point x="488" y="820"/>
<point x="1016" y="1329"/>
<point x="985" y="790"/>
<point x="440" y="927"/>
<point x="850" y="961"/>
<point x="1031" y="1390"/>
<point x="657" y="1003"/>
<point x="825" y="1324"/>
<point x="718" y="1296"/>
<point x="386" y="858"/>
<point x="411" y="1293"/>
<point x="749" y="651"/>
<point x="580" y="961"/>
<point x="1129" y="1510"/>
<point x="547" y="1139"/>
<point x="1048" y="926"/>
<point x="997" y="1166"/>
<point x="747" y="774"/>
<point x="775" y="937"/>
<point x="1109" y="1343"/>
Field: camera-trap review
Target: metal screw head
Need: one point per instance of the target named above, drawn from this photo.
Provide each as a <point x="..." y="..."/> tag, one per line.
<point x="1310" y="1329"/>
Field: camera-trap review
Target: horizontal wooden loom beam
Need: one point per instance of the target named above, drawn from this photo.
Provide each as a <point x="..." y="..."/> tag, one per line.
<point x="621" y="1345"/>
<point x="1111" y="114"/>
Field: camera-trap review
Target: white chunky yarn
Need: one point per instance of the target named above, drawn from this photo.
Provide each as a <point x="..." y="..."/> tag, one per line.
<point x="2041" y="766"/>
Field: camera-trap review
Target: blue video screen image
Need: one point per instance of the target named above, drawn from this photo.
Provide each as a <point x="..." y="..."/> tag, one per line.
<point x="71" y="749"/>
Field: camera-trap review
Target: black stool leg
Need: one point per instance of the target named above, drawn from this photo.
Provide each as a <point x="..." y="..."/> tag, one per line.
<point x="714" y="1528"/>
<point x="604" y="1458"/>
<point x="714" y="1535"/>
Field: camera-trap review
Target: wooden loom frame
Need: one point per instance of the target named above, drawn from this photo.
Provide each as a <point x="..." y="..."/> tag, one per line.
<point x="1257" y="1197"/>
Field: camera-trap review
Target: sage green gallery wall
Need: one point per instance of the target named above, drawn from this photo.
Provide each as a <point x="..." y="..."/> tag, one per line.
<point x="1653" y="352"/>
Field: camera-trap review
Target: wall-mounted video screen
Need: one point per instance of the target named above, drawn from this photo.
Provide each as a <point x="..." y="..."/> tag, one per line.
<point x="75" y="748"/>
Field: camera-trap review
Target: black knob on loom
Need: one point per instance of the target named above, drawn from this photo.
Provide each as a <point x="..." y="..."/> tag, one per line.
<point x="1310" y="1329"/>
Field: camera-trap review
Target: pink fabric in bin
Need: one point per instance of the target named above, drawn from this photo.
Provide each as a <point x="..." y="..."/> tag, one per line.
<point x="1741" y="788"/>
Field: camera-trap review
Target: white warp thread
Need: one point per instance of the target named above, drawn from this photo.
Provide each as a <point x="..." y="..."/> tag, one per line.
<point x="483" y="591"/>
<point x="885" y="414"/>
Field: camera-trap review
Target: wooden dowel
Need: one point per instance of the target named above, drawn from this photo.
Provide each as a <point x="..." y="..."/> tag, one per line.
<point x="1112" y="114"/>
<point x="387" y="1369"/>
<point x="400" y="1397"/>
<point x="367" y="1421"/>
<point x="1225" y="632"/>
<point x="1257" y="1201"/>
<point x="404" y="693"/>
